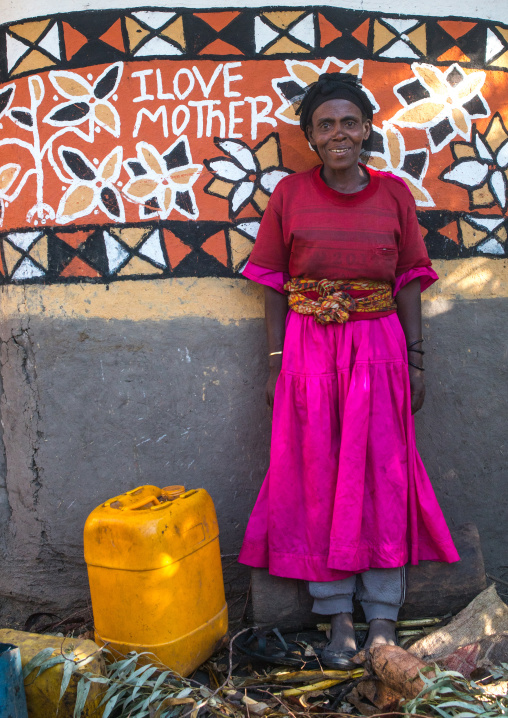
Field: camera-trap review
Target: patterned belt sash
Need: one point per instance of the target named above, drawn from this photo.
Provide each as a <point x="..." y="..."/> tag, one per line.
<point x="333" y="303"/>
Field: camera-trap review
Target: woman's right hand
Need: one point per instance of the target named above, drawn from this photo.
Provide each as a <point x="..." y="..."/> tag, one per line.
<point x="270" y="384"/>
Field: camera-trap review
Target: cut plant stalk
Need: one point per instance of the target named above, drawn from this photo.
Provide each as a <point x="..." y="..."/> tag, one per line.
<point x="413" y="623"/>
<point x="321" y="685"/>
<point x="306" y="676"/>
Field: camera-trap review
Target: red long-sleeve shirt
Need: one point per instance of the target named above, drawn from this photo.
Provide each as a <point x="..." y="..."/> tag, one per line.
<point x="311" y="230"/>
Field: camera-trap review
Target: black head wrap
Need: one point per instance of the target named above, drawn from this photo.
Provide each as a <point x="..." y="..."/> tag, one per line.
<point x="333" y="86"/>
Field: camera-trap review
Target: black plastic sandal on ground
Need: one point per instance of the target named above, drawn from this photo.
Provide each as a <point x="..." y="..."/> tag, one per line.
<point x="271" y="647"/>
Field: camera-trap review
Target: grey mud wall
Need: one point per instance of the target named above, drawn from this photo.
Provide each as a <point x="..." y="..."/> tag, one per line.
<point x="138" y="150"/>
<point x="100" y="406"/>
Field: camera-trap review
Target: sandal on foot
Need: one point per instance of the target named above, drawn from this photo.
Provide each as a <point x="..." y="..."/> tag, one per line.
<point x="339" y="660"/>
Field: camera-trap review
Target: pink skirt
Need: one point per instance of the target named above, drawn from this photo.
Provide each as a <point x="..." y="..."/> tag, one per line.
<point x="346" y="489"/>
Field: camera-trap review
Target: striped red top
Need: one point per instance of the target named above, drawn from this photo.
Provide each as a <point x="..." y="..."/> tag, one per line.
<point x="311" y="230"/>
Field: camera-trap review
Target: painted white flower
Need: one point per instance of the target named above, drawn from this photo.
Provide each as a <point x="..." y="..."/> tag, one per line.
<point x="481" y="166"/>
<point x="246" y="175"/>
<point x="302" y="73"/>
<point x="447" y="102"/>
<point x="90" y="187"/>
<point x="86" y="102"/>
<point x="390" y="155"/>
<point x="162" y="182"/>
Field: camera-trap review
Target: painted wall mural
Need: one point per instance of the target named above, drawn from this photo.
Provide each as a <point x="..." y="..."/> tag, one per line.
<point x="143" y="143"/>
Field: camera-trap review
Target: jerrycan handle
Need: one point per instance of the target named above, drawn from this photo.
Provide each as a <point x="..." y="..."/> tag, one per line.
<point x="172" y="492"/>
<point x="144" y="502"/>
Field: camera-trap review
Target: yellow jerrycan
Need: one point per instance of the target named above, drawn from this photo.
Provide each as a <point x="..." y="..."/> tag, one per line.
<point x="155" y="575"/>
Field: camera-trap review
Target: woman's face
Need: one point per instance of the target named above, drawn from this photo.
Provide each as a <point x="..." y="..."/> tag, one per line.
<point x="337" y="133"/>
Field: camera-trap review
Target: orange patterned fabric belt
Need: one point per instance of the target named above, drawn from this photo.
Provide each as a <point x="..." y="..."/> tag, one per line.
<point x="333" y="303"/>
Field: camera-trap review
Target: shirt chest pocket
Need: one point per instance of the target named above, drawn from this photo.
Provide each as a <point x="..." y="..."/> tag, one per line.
<point x="387" y="252"/>
<point x="384" y="258"/>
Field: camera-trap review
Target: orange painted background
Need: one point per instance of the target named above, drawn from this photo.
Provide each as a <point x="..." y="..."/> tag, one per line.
<point x="181" y="123"/>
<point x="248" y="79"/>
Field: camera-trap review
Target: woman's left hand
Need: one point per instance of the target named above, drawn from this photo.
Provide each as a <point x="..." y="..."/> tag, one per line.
<point x="417" y="383"/>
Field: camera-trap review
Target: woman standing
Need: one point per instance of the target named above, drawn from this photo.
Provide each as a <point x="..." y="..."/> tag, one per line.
<point x="346" y="502"/>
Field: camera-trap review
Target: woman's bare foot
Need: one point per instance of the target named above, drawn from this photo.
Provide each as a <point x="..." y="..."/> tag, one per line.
<point x="343" y="633"/>
<point x="381" y="633"/>
<point x="341" y="648"/>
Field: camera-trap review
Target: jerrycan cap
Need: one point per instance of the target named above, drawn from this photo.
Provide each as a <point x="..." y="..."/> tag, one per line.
<point x="172" y="492"/>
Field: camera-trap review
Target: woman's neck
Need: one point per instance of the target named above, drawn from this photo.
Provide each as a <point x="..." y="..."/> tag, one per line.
<point x="349" y="181"/>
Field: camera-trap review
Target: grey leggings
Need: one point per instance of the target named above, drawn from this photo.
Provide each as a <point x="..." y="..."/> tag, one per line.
<point x="381" y="591"/>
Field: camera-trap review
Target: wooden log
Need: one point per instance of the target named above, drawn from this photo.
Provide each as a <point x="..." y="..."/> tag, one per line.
<point x="485" y="616"/>
<point x="434" y="589"/>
